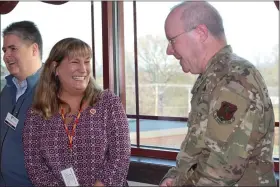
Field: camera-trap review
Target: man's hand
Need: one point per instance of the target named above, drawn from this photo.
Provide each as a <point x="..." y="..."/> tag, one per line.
<point x="167" y="182"/>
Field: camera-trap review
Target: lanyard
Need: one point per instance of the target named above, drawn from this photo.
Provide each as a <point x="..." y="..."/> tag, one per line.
<point x="70" y="134"/>
<point x="17" y="112"/>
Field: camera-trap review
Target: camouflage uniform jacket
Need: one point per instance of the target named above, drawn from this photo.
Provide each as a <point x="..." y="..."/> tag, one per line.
<point x="231" y="128"/>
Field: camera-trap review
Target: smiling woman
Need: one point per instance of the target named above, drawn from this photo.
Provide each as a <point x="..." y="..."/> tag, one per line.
<point x="68" y="99"/>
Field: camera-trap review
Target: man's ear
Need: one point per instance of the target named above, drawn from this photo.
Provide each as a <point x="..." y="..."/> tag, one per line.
<point x="35" y="49"/>
<point x="202" y="32"/>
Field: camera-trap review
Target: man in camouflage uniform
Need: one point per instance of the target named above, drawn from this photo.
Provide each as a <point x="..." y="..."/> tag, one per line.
<point x="231" y="123"/>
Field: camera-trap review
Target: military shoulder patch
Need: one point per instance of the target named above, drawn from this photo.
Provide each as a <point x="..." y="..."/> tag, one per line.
<point x="225" y="113"/>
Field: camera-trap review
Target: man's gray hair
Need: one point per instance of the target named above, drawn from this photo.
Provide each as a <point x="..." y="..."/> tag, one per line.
<point x="201" y="12"/>
<point x="27" y="31"/>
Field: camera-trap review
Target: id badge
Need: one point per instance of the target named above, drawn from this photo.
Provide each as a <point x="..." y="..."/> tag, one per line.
<point x="11" y="121"/>
<point x="69" y="177"/>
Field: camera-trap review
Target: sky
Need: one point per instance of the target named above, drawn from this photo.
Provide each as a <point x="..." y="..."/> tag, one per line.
<point x="251" y="28"/>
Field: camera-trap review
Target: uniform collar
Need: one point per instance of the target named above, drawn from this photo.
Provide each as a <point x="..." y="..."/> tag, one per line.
<point x="217" y="58"/>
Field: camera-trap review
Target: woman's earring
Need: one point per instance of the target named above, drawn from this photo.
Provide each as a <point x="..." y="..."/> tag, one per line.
<point x="56" y="78"/>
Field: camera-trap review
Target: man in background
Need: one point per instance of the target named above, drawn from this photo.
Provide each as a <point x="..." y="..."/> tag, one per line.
<point x="231" y="123"/>
<point x="22" y="47"/>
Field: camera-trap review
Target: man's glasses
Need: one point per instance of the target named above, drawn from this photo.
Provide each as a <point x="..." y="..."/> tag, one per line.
<point x="173" y="39"/>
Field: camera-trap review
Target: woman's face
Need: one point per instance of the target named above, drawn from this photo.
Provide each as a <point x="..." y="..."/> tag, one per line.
<point x="74" y="74"/>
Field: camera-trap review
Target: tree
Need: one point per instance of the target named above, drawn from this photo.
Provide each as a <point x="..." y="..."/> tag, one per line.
<point x="155" y="67"/>
<point x="153" y="61"/>
<point x="156" y="71"/>
<point x="269" y="67"/>
<point x="130" y="83"/>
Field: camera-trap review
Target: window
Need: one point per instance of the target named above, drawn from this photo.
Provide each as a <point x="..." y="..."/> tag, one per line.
<point x="158" y="92"/>
<point x="55" y="22"/>
<point x="98" y="44"/>
<point x="164" y="90"/>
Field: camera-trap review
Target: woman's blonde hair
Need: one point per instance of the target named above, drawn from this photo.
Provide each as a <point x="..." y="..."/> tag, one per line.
<point x="46" y="101"/>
